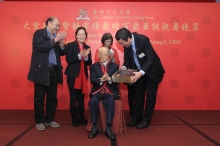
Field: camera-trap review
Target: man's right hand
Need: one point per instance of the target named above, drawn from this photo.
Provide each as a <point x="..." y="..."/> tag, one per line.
<point x="60" y="36"/>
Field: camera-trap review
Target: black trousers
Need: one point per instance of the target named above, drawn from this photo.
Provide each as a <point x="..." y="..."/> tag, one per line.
<point x="142" y="85"/>
<point x="131" y="96"/>
<point x="108" y="102"/>
<point x="75" y="94"/>
<point x="51" y="98"/>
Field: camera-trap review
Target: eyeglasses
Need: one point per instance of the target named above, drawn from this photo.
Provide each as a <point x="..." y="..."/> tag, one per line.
<point x="81" y="34"/>
<point x="104" y="55"/>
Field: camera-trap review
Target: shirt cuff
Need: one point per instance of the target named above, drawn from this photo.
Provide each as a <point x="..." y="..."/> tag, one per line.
<point x="86" y="58"/>
<point x="142" y="72"/>
<point x="79" y="56"/>
<point x="123" y="67"/>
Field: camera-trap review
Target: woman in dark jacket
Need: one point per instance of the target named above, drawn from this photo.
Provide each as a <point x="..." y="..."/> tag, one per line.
<point x="78" y="57"/>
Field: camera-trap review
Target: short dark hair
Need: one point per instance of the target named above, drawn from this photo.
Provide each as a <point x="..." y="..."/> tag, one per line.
<point x="51" y="19"/>
<point x="123" y="34"/>
<point x="106" y="36"/>
<point x="79" y="28"/>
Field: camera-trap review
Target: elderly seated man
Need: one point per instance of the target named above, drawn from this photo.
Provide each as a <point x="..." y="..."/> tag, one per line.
<point x="103" y="90"/>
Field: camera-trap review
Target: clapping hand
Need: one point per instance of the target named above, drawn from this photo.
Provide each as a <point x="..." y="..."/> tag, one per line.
<point x="105" y="77"/>
<point x="60" y="36"/>
<point x="111" y="56"/>
<point x="86" y="52"/>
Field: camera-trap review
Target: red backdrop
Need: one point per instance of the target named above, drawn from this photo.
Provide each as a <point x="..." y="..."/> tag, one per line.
<point x="185" y="36"/>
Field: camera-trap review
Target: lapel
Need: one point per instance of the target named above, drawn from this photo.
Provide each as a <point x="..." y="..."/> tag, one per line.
<point x="98" y="69"/>
<point x="45" y="34"/>
<point x="75" y="45"/>
<point x="136" y="43"/>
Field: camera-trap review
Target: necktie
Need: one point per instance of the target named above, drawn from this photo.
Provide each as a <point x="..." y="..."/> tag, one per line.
<point x="135" y="57"/>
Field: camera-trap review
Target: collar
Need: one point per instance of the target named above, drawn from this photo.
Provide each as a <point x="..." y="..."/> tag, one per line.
<point x="49" y="35"/>
<point x="104" y="64"/>
<point x="132" y="43"/>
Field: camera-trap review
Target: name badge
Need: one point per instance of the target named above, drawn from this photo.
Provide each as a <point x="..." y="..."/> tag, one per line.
<point x="141" y="55"/>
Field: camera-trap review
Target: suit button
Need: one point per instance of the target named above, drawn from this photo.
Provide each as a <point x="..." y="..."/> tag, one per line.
<point x="39" y="65"/>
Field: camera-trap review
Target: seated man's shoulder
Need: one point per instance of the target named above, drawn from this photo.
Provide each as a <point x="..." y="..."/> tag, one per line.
<point x="94" y="64"/>
<point x="115" y="65"/>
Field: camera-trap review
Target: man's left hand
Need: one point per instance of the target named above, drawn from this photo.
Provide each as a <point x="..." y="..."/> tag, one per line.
<point x="105" y="77"/>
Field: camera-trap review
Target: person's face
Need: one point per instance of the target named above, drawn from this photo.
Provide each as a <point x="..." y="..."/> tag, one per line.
<point x="54" y="26"/>
<point x="124" y="43"/>
<point x="107" y="43"/>
<point x="104" y="56"/>
<point x="81" y="36"/>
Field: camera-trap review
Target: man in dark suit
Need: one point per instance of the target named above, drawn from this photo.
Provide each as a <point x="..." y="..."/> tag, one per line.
<point x="46" y="71"/>
<point x="139" y="53"/>
<point x="103" y="89"/>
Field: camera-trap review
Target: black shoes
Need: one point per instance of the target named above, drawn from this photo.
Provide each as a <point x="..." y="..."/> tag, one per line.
<point x="74" y="122"/>
<point x="133" y="122"/>
<point x="143" y="124"/>
<point x="109" y="134"/>
<point x="93" y="133"/>
<point x="82" y="121"/>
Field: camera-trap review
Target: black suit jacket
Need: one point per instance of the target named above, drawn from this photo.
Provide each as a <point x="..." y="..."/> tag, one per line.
<point x="150" y="63"/>
<point x="96" y="73"/>
<point x="41" y="47"/>
<point x="73" y="61"/>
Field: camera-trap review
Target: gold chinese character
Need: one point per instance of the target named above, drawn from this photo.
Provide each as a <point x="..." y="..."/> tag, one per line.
<point x="126" y="25"/>
<point x="136" y="26"/>
<point x="75" y="25"/>
<point x="26" y="25"/>
<point x="121" y="12"/>
<point x="155" y="26"/>
<point x="165" y="27"/>
<point x="108" y="11"/>
<point x="105" y="26"/>
<point x="115" y="26"/>
<point x="95" y="11"/>
<point x="86" y="25"/>
<point x="175" y="26"/>
<point x="101" y="12"/>
<point x="114" y="12"/>
<point x="185" y="27"/>
<point x="195" y="26"/>
<point x="145" y="26"/>
<point x="36" y="25"/>
<point x="66" y="25"/>
<point x="128" y="11"/>
<point x="95" y="26"/>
